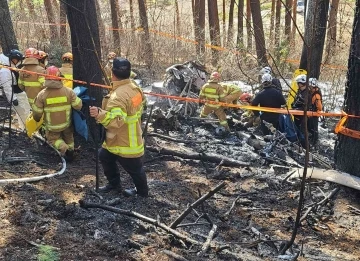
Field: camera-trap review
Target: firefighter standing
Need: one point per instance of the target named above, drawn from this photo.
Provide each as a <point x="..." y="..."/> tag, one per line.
<point x="32" y="84"/>
<point x="9" y="82"/>
<point x="43" y="61"/>
<point x="56" y="102"/>
<point x="121" y="117"/>
<point x="67" y="69"/>
<point x="213" y="91"/>
<point x="275" y="82"/>
<point x="316" y="106"/>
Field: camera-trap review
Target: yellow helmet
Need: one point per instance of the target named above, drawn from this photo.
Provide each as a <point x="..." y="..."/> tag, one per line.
<point x="67" y="57"/>
<point x="111" y="56"/>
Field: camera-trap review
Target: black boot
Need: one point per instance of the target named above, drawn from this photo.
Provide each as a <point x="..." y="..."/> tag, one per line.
<point x="107" y="188"/>
<point x="69" y="155"/>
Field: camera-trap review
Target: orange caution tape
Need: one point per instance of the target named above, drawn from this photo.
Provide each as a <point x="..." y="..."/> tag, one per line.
<point x="345" y="131"/>
<point x="339" y="127"/>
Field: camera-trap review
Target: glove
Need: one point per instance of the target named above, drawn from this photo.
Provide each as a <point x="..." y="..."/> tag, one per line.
<point x="15" y="102"/>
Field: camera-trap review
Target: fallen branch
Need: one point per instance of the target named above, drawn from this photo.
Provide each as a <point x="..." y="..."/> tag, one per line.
<point x="206" y="245"/>
<point x="166" y="137"/>
<point x="211" y="157"/>
<point x="174" y="255"/>
<point x="130" y="213"/>
<point x="320" y="203"/>
<point x="197" y="203"/>
<point x="354" y="209"/>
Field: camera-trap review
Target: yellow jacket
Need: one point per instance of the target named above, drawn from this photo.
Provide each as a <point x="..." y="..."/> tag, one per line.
<point x="121" y="116"/>
<point x="212" y="91"/>
<point x="56" y="102"/>
<point x="32" y="84"/>
<point x="67" y="71"/>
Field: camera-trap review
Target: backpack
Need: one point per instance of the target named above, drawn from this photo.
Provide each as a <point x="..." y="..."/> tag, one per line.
<point x="317" y="91"/>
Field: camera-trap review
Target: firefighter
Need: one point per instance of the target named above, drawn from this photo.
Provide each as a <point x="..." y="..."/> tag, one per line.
<point x="43" y="61"/>
<point x="32" y="84"/>
<point x="232" y="93"/>
<point x="67" y="69"/>
<point x="9" y="82"/>
<point x="268" y="97"/>
<point x="120" y="115"/>
<point x="213" y="91"/>
<point x="316" y="106"/>
<point x="248" y="116"/>
<point x="56" y="102"/>
<point x="108" y="67"/>
<point x="274" y="81"/>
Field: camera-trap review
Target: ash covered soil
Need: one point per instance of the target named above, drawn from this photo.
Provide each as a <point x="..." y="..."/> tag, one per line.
<point x="48" y="212"/>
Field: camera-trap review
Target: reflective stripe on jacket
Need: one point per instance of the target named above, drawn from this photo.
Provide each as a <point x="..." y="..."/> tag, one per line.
<point x="212" y="91"/>
<point x="56" y="102"/>
<point x="67" y="71"/>
<point x="121" y="116"/>
<point x="32" y="84"/>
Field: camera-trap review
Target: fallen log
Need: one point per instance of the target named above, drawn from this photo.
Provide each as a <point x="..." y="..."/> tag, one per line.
<point x="210" y="157"/>
<point x="196" y="203"/>
<point x="334" y="176"/>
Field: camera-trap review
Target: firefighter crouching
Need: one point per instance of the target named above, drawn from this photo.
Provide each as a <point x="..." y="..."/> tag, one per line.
<point x="56" y="102"/>
<point x="213" y="91"/>
<point x="232" y="93"/>
<point x="32" y="84"/>
<point x="121" y="117"/>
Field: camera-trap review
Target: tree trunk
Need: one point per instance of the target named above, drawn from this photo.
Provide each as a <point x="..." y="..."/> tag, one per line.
<point x="199" y="26"/>
<point x="231" y="23"/>
<point x="56" y="7"/>
<point x="115" y="26"/>
<point x="148" y="53"/>
<point x="63" y="34"/>
<point x="293" y="30"/>
<point x="132" y="20"/>
<point x="240" y="28"/>
<point x="7" y="33"/>
<point x="214" y="29"/>
<point x="178" y="20"/>
<point x="258" y="32"/>
<point x="85" y="44"/>
<point x="248" y="25"/>
<point x="315" y="30"/>
<point x="101" y="26"/>
<point x="277" y="23"/>
<point x="272" y="21"/>
<point x="54" y="35"/>
<point x="31" y="8"/>
<point x="224" y="22"/>
<point x="347" y="149"/>
<point x="330" y="48"/>
<point x="288" y="9"/>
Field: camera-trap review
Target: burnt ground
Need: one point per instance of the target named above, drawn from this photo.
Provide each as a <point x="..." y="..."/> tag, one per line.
<point x="47" y="212"/>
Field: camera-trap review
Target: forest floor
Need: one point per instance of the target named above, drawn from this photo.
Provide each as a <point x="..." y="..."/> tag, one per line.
<point x="43" y="220"/>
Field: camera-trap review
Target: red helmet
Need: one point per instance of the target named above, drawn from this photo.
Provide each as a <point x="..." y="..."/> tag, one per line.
<point x="215" y="76"/>
<point x="32" y="53"/>
<point x="245" y="97"/>
<point x="52" y="71"/>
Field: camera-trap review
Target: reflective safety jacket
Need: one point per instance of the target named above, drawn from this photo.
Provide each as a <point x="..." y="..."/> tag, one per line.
<point x="121" y="116"/>
<point x="67" y="71"/>
<point x="32" y="84"/>
<point x="212" y="91"/>
<point x="56" y="102"/>
<point x="231" y="91"/>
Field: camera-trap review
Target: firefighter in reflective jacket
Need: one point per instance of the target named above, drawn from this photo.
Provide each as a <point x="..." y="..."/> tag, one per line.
<point x="316" y="105"/>
<point x="67" y="69"/>
<point x="32" y="84"/>
<point x="213" y="91"/>
<point x="121" y="117"/>
<point x="232" y="93"/>
<point x="56" y="102"/>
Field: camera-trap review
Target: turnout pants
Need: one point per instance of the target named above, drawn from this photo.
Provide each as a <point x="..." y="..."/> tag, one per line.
<point x="219" y="112"/>
<point x="133" y="166"/>
<point x="62" y="141"/>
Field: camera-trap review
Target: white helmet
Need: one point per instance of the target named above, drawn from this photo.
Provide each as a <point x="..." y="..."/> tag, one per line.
<point x="301" y="78"/>
<point x="313" y="82"/>
<point x="266" y="69"/>
<point x="266" y="78"/>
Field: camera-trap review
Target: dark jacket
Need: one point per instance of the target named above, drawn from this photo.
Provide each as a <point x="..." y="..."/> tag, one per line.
<point x="299" y="100"/>
<point x="269" y="97"/>
<point x="277" y="84"/>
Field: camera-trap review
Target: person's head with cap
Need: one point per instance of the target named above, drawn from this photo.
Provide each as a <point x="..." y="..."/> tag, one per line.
<point x="121" y="68"/>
